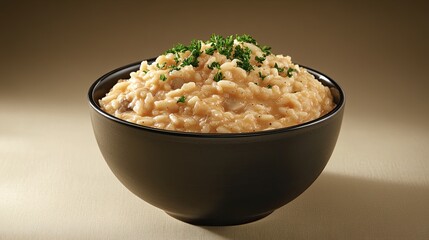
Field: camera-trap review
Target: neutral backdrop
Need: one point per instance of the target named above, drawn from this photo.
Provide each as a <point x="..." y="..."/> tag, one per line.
<point x="54" y="183"/>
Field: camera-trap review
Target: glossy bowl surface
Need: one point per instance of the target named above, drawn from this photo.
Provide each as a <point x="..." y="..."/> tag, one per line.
<point x="215" y="179"/>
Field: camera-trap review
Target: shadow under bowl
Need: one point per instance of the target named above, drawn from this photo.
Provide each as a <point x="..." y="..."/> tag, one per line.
<point x="215" y="179"/>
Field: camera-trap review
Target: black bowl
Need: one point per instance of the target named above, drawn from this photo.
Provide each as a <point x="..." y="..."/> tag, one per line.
<point x="215" y="179"/>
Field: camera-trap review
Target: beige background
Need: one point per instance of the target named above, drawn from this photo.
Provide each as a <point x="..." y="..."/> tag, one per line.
<point x="54" y="184"/>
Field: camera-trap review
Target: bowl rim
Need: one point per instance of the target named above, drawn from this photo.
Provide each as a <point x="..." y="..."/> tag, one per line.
<point x="340" y="105"/>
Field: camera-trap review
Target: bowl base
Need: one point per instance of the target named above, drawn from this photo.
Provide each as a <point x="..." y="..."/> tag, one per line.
<point x="219" y="221"/>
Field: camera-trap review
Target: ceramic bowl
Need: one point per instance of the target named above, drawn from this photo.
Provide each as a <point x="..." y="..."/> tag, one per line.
<point x="215" y="179"/>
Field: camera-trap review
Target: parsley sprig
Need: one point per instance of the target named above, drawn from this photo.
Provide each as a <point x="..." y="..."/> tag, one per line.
<point x="175" y="68"/>
<point x="214" y="65"/>
<point x="242" y="54"/>
<point x="223" y="45"/>
<point x="259" y="59"/>
<point x="289" y="72"/>
<point x="187" y="55"/>
<point x="181" y="99"/>
<point x="179" y="48"/>
<point x="161" y="66"/>
<point x="192" y="59"/>
<point x="246" y="38"/>
<point x="195" y="49"/>
<point x="218" y="76"/>
<point x="279" y="69"/>
<point x="266" y="50"/>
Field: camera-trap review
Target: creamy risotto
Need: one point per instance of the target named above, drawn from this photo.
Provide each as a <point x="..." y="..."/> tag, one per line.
<point x="224" y="85"/>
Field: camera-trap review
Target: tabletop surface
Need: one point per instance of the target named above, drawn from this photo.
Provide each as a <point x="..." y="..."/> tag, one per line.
<point x="54" y="183"/>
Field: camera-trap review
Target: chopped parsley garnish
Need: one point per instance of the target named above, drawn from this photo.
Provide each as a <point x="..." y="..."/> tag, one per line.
<point x="160" y="66"/>
<point x="145" y="71"/>
<point x="243" y="57"/>
<point x="177" y="58"/>
<point x="181" y="99"/>
<point x="214" y="65"/>
<point x="174" y="67"/>
<point x="289" y="72"/>
<point x="279" y="69"/>
<point x="269" y="86"/>
<point x="246" y="38"/>
<point x="195" y="49"/>
<point x="266" y="50"/>
<point x="192" y="59"/>
<point x="259" y="59"/>
<point x="210" y="51"/>
<point x="223" y="46"/>
<point x="218" y="76"/>
<point x="227" y="49"/>
<point x="179" y="48"/>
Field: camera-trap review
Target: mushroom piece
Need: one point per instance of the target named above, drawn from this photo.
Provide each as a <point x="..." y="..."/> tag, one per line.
<point x="233" y="105"/>
<point x="177" y="83"/>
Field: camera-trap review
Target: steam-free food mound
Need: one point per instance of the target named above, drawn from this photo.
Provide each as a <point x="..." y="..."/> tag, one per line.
<point x="224" y="85"/>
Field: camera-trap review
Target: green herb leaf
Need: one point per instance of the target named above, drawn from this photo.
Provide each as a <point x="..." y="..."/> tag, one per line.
<point x="259" y="59"/>
<point x="210" y="50"/>
<point x="181" y="99"/>
<point x="195" y="49"/>
<point x="246" y="38"/>
<point x="175" y="68"/>
<point x="266" y="50"/>
<point x="162" y="77"/>
<point x="190" y="61"/>
<point x="227" y="48"/>
<point x="262" y="76"/>
<point x="243" y="57"/>
<point x="224" y="46"/>
<point x="279" y="69"/>
<point x="161" y="66"/>
<point x="289" y="72"/>
<point x="177" y="58"/>
<point x="214" y="65"/>
<point x="179" y="48"/>
<point x="218" y="76"/>
<point x="269" y="86"/>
